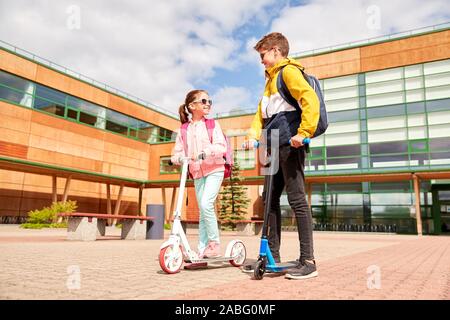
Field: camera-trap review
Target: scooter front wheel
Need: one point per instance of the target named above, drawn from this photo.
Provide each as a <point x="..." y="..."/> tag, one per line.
<point x="260" y="269"/>
<point x="239" y="253"/>
<point x="171" y="259"/>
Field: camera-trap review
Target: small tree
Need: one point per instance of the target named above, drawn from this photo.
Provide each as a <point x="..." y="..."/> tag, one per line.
<point x="233" y="199"/>
<point x="47" y="216"/>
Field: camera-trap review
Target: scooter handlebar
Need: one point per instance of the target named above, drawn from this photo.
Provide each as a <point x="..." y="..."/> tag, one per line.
<point x="255" y="144"/>
<point x="306" y="143"/>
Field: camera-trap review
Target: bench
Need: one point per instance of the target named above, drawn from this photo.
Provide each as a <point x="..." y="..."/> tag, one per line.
<point x="249" y="227"/>
<point x="87" y="226"/>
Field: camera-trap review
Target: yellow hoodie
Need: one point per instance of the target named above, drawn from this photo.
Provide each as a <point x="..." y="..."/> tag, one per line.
<point x="272" y="103"/>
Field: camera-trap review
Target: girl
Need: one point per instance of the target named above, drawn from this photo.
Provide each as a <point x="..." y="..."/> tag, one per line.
<point x="206" y="164"/>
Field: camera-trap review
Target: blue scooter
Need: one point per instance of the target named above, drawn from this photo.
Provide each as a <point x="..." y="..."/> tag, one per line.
<point x="265" y="261"/>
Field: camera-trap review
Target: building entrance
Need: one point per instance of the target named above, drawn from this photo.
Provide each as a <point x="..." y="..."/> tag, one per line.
<point x="441" y="209"/>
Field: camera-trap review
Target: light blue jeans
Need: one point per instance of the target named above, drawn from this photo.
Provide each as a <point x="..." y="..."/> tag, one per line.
<point x="206" y="189"/>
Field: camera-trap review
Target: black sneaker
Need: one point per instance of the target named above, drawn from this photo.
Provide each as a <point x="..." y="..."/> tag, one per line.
<point x="305" y="270"/>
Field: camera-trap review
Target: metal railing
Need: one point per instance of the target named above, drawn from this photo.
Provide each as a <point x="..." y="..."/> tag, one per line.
<point x="394" y="36"/>
<point x="232" y="113"/>
<point x="31" y="56"/>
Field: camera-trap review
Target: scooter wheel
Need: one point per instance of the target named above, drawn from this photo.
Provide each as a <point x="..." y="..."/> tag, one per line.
<point x="260" y="269"/>
<point x="239" y="252"/>
<point x="171" y="259"/>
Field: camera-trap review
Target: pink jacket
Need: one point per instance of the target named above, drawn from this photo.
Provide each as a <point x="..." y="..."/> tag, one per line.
<point x="198" y="141"/>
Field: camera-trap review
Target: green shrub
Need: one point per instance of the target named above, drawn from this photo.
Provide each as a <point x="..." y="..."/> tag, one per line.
<point x="34" y="225"/>
<point x="47" y="216"/>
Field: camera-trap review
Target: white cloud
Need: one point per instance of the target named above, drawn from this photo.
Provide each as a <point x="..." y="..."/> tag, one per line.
<point x="323" y="23"/>
<point x="228" y="99"/>
<point x="154" y="50"/>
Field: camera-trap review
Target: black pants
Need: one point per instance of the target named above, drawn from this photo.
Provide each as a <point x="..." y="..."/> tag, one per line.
<point x="290" y="175"/>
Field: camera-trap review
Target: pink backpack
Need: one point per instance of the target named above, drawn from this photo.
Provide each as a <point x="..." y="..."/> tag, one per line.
<point x="210" y="125"/>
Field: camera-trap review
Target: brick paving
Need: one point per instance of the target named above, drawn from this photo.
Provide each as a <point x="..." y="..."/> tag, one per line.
<point x="39" y="264"/>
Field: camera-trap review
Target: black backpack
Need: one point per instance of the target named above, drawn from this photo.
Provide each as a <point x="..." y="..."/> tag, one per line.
<point x="315" y="84"/>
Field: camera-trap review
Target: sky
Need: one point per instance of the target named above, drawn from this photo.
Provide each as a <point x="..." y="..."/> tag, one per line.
<point x="160" y="50"/>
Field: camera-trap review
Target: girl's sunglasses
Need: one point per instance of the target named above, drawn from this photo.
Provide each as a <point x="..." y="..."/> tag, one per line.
<point x="204" y="101"/>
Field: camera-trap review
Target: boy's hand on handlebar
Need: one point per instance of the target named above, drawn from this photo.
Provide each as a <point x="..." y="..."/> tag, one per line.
<point x="297" y="141"/>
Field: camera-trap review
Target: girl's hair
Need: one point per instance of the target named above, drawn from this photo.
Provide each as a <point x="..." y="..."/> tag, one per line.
<point x="183" y="110"/>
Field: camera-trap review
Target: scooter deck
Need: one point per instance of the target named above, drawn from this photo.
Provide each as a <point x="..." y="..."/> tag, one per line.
<point x="217" y="259"/>
<point x="280" y="267"/>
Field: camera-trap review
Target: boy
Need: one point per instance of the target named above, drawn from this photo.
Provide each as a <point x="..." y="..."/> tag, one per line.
<point x="275" y="113"/>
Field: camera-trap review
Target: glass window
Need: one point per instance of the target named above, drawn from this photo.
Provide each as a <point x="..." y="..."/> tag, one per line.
<point x="417" y="133"/>
<point x="165" y="167"/>
<point x="416" y="120"/>
<point x="384" y="87"/>
<point x="419" y="159"/>
<point x="413" y="71"/>
<point x="347" y="199"/>
<point x="16" y="90"/>
<point x="387" y="135"/>
<point x="343" y="163"/>
<point x="344" y="187"/>
<point x="438" y="105"/>
<point x="343" y="139"/>
<point x="439" y="144"/>
<point x="341" y="93"/>
<point x="438" y="131"/>
<point x="316" y="165"/>
<point x="415" y="95"/>
<point x="343" y="116"/>
<point x="417" y="107"/>
<point x="51" y="95"/>
<point x="414" y="83"/>
<point x="386" y="123"/>
<point x="342" y="151"/>
<point x="389" y="161"/>
<point x="386" y="111"/>
<point x="436" y="67"/>
<point x="245" y="158"/>
<point x="439" y="117"/>
<point x="318" y="141"/>
<point x="340" y="82"/>
<point x="49" y="106"/>
<point x="316" y="153"/>
<point x="435" y="80"/>
<point x="440" y="92"/>
<point x="399" y="186"/>
<point x="72" y="114"/>
<point x="342" y="127"/>
<point x="418" y="146"/>
<point x="391" y="147"/>
<point x="438" y="158"/>
<point x="393" y="198"/>
<point x="384" y="75"/>
<point x="341" y="104"/>
<point x="385" y="99"/>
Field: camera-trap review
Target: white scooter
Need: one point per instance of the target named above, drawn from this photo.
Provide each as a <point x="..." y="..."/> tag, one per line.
<point x="176" y="249"/>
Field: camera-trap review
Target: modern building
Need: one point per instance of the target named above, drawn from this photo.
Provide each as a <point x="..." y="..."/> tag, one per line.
<point x="383" y="165"/>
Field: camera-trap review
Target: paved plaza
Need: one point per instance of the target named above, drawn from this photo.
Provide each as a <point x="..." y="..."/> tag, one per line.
<point x="42" y="264"/>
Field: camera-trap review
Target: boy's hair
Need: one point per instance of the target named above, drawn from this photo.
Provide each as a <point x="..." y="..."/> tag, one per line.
<point x="271" y="40"/>
<point x="183" y="110"/>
